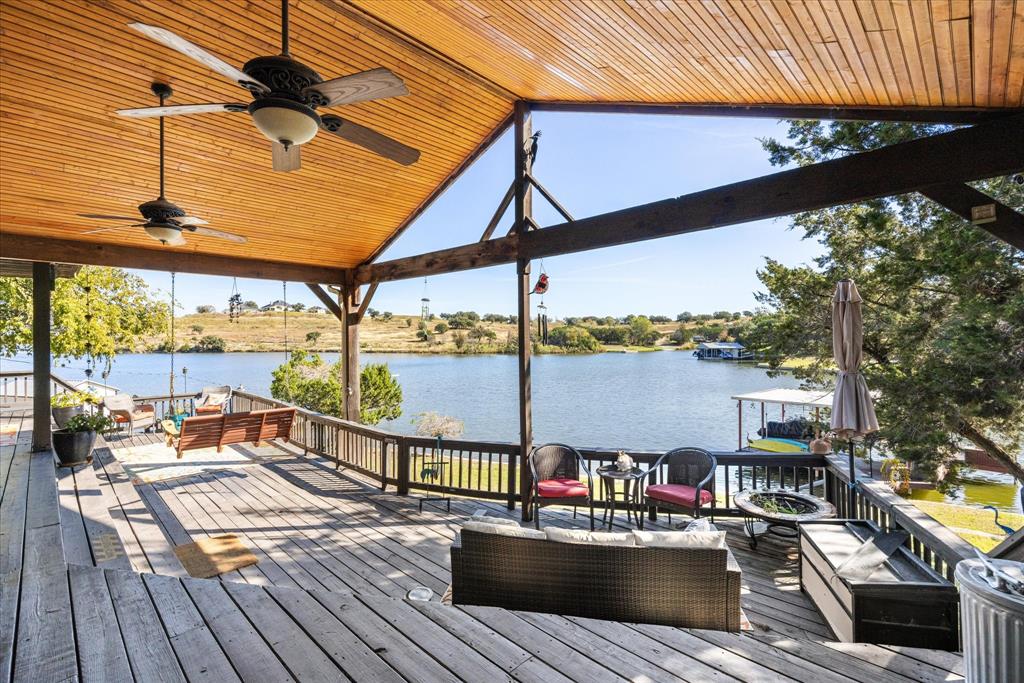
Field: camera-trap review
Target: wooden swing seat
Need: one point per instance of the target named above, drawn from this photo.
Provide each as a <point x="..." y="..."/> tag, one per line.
<point x="206" y="431"/>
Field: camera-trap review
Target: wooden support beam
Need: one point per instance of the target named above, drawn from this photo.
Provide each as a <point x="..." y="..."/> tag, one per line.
<point x="365" y="305"/>
<point x="499" y="212"/>
<point x="982" y="151"/>
<point x="960" y="199"/>
<point x="326" y="299"/>
<point x="350" y="359"/>
<point x="952" y="115"/>
<point x="32" y="248"/>
<point x="523" y="215"/>
<point x="551" y="198"/>
<point x="42" y="286"/>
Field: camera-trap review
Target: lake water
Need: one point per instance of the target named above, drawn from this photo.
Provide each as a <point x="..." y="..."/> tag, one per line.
<point x="644" y="401"/>
<point x="654" y="400"/>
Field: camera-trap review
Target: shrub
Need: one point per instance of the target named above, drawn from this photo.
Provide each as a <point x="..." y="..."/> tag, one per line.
<point x="459" y="338"/>
<point x="312" y="337"/>
<point x="205" y="308"/>
<point x="684" y="317"/>
<point x="373" y="313"/>
<point x="574" y="338"/>
<point x="494" y="318"/>
<point x="386" y="316"/>
<point x="462" y="320"/>
<point x="618" y="334"/>
<point x="441" y="327"/>
<point x="71" y="399"/>
<point x="210" y="344"/>
<point x="642" y="332"/>
<point x="196" y="329"/>
<point x="682" y="335"/>
<point x="480" y="333"/>
<point x="659" y="319"/>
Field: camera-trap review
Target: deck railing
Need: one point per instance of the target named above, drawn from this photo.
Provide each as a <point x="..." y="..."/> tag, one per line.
<point x="17" y="386"/>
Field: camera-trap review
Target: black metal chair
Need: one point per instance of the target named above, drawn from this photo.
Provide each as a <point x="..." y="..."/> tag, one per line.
<point x="689" y="483"/>
<point x="556" y="480"/>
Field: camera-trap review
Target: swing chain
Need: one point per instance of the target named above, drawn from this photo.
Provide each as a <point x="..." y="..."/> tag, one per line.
<point x="172" y="342"/>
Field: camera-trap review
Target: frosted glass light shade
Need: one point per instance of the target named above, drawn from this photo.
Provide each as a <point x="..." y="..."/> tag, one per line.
<point x="165" y="234"/>
<point x="285" y="122"/>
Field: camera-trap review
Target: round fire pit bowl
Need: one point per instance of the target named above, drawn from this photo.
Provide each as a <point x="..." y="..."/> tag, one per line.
<point x="780" y="511"/>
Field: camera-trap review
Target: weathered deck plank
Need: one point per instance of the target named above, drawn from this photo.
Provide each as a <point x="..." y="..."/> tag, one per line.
<point x="101" y="653"/>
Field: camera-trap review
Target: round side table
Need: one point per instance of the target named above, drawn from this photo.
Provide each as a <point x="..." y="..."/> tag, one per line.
<point x="630" y="492"/>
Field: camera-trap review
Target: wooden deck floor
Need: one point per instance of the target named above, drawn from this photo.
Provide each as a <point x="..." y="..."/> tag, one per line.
<point x="93" y="591"/>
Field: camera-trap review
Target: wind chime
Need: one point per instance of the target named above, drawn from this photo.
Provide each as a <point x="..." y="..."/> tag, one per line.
<point x="425" y="303"/>
<point x="90" y="358"/>
<point x="234" y="302"/>
<point x="542" y="311"/>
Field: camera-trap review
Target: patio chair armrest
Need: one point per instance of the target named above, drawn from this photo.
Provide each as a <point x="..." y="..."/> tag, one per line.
<point x="710" y="477"/>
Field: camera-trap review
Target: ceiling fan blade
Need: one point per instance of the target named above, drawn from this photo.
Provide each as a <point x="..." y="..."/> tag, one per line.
<point x="178" y="241"/>
<point x="185" y="221"/>
<point x="119" y="227"/>
<point x="179" y="109"/>
<point x="286" y="160"/>
<point x="367" y="85"/>
<point x="176" y="42"/>
<point x="370" y="139"/>
<point x="210" y="232"/>
<point x="105" y="217"/>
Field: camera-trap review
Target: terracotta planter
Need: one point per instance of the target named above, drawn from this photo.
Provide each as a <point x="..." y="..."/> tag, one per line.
<point x="62" y="415"/>
<point x="73" y="448"/>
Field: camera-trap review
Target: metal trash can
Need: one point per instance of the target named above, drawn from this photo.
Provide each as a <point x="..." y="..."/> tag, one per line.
<point x="992" y="619"/>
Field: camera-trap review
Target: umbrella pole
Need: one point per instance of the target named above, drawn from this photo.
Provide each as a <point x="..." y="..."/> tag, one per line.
<point x="852" y="494"/>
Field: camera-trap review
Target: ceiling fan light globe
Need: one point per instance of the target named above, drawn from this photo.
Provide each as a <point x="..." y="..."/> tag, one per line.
<point x="164" y="233"/>
<point x="284" y="121"/>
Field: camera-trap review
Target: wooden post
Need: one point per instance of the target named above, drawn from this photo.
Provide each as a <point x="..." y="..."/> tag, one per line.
<point x="523" y="212"/>
<point x="739" y="422"/>
<point x="350" y="362"/>
<point x="42" y="285"/>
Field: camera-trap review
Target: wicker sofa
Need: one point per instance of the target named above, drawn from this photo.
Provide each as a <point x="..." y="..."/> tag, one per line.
<point x="689" y="587"/>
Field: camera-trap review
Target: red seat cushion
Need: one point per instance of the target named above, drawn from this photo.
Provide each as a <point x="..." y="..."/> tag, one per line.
<point x="679" y="494"/>
<point x="562" y="488"/>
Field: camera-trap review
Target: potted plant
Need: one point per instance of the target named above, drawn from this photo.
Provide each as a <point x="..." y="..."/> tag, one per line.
<point x="75" y="442"/>
<point x="68" y="404"/>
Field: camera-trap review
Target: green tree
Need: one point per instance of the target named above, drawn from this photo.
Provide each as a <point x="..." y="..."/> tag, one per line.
<point x="574" y="339"/>
<point x="943" y="307"/>
<point x="312" y="337"/>
<point x="373" y="313"/>
<point x="684" y="317"/>
<point x="386" y="316"/>
<point x="480" y="334"/>
<point x="117" y="312"/>
<point x="642" y="332"/>
<point x="682" y="334"/>
<point x="298" y="307"/>
<point x="307" y="381"/>
<point x="441" y="327"/>
<point x="205" y="308"/>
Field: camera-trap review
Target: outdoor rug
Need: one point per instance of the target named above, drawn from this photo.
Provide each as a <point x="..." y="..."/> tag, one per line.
<point x="213" y="556"/>
<point x="153" y="462"/>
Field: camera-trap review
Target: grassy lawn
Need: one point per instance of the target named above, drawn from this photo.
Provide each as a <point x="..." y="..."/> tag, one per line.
<point x="974" y="525"/>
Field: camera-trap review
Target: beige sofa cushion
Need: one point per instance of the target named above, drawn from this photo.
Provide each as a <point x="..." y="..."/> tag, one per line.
<point x="504" y="521"/>
<point x="680" y="539"/>
<point x="503" y="530"/>
<point x="590" y="537"/>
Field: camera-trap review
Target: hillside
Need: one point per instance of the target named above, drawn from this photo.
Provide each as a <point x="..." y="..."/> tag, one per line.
<point x="259" y="331"/>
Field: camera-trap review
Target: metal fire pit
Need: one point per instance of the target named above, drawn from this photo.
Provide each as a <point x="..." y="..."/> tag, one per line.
<point x="779" y="523"/>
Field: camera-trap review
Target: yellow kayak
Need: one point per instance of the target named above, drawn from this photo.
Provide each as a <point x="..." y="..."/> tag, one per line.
<point x="777" y="445"/>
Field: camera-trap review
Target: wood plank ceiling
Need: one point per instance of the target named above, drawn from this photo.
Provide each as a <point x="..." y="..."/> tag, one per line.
<point x="66" y="66"/>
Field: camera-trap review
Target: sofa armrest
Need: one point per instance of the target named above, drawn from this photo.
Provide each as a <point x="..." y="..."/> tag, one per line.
<point x="456" y="559"/>
<point x="734" y="589"/>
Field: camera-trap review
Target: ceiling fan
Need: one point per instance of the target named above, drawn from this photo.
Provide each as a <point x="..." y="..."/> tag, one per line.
<point x="286" y="94"/>
<point x="165" y="222"/>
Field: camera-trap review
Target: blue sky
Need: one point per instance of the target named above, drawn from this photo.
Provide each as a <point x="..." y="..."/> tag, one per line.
<point x="592" y="163"/>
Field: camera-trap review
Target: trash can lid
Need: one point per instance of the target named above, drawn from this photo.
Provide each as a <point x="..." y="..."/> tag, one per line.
<point x="999" y="581"/>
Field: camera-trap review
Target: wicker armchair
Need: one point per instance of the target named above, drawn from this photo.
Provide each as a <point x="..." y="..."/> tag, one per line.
<point x="123" y="410"/>
<point x="212" y="400"/>
<point x="556" y="479"/>
<point x="689" y="483"/>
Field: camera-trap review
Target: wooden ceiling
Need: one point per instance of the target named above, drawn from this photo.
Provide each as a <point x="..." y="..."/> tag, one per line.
<point x="902" y="53"/>
<point x="67" y="66"/>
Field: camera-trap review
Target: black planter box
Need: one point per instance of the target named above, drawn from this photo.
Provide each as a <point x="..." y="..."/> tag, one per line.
<point x="904" y="602"/>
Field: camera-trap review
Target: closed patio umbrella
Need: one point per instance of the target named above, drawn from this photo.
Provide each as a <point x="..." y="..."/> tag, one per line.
<point x="853" y="414"/>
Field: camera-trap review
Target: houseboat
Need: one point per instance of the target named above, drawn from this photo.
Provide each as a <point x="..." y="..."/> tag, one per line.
<point x="722" y="351"/>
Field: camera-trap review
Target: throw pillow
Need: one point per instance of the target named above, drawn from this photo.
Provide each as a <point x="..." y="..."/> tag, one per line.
<point x="680" y="539"/>
<point x="503" y="530"/>
<point x="592" y="537"/>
